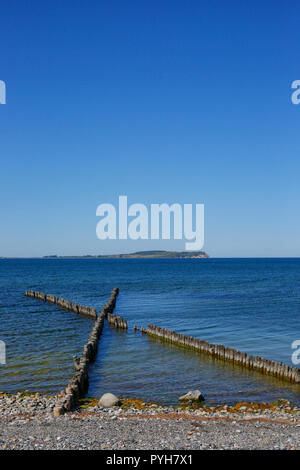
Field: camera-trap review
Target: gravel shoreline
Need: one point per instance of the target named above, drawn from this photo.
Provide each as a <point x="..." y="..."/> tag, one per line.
<point x="27" y="422"/>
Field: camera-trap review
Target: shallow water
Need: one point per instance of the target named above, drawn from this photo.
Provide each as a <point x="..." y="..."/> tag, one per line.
<point x="250" y="304"/>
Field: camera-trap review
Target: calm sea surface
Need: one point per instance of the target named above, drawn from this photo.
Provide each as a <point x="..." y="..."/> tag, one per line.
<point x="250" y="304"/>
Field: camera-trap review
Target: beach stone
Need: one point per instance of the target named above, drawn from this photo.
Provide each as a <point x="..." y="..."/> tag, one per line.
<point x="58" y="411"/>
<point x="109" y="399"/>
<point x="192" y="396"/>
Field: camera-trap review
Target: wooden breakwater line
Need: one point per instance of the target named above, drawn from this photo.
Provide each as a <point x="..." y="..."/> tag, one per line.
<point x="117" y="322"/>
<point x="79" y="383"/>
<point x="110" y="305"/>
<point x="114" y="320"/>
<point x="63" y="303"/>
<point x="257" y="363"/>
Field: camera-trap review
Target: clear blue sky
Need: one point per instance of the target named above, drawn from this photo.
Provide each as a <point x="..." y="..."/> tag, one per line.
<point x="161" y="101"/>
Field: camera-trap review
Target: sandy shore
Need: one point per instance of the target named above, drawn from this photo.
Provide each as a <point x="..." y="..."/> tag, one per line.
<point x="27" y="422"/>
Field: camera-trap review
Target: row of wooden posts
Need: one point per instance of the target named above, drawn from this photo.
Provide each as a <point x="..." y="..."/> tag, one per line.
<point x="257" y="363"/>
<point x="79" y="383"/>
<point x="63" y="303"/>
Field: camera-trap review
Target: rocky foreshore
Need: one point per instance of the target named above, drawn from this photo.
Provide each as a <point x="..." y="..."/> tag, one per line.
<point x="27" y="422"/>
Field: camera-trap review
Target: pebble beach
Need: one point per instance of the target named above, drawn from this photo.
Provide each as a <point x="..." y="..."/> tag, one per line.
<point x="27" y="423"/>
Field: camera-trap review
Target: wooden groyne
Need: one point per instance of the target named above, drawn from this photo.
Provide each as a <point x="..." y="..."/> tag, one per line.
<point x="110" y="305"/>
<point x="63" y="303"/>
<point x="117" y="322"/>
<point x="79" y="383"/>
<point x="257" y="363"/>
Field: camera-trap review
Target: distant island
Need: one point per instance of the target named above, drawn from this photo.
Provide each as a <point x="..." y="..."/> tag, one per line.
<point x="143" y="254"/>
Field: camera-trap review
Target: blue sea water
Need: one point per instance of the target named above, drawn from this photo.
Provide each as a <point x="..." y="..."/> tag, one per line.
<point x="250" y="304"/>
